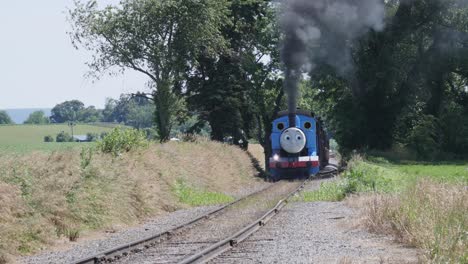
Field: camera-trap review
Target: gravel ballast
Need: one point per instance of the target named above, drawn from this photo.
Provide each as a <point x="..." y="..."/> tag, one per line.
<point x="105" y="241"/>
<point x="110" y="241"/>
<point x="319" y="232"/>
<point x="184" y="244"/>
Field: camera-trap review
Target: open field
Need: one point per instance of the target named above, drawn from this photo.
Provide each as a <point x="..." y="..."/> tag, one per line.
<point x="421" y="204"/>
<point x="25" y="138"/>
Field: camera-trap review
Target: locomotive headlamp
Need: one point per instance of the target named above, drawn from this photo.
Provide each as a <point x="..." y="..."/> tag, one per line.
<point x="276" y="157"/>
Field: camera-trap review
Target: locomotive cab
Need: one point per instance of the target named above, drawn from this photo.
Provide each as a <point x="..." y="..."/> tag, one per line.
<point x="299" y="145"/>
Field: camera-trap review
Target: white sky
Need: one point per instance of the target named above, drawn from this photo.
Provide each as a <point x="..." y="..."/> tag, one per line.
<point x="39" y="66"/>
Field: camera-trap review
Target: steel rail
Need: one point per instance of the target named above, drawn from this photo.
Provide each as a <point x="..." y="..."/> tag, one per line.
<point x="225" y="245"/>
<point x="141" y="244"/>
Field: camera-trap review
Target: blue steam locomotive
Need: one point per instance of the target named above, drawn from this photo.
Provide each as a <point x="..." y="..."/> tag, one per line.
<point x="299" y="145"/>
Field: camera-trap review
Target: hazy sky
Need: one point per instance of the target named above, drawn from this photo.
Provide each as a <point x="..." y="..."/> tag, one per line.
<point x="38" y="65"/>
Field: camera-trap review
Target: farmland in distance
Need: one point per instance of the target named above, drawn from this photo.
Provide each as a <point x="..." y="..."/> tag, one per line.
<point x="27" y="138"/>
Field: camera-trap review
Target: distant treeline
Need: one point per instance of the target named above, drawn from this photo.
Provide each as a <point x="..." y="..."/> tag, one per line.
<point x="136" y="111"/>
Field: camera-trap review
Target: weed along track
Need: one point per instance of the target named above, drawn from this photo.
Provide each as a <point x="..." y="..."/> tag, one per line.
<point x="207" y="236"/>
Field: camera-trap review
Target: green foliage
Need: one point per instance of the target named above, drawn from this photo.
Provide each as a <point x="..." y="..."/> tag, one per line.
<point x="136" y="111"/>
<point x="192" y="125"/>
<point x="38" y="118"/>
<point x="160" y="39"/>
<point x="328" y="191"/>
<point x="407" y="85"/>
<point x="5" y="118"/>
<point x="197" y="197"/>
<point x="86" y="156"/>
<point x="103" y="134"/>
<point x="49" y="138"/>
<point x="89" y="115"/>
<point x="66" y="111"/>
<point x="423" y="136"/>
<point x="151" y="133"/>
<point x="361" y="177"/>
<point x="122" y="140"/>
<point x="454" y="128"/>
<point x="75" y="111"/>
<point x="92" y="137"/>
<point x="215" y="67"/>
<point x="378" y="175"/>
<point x="63" y="137"/>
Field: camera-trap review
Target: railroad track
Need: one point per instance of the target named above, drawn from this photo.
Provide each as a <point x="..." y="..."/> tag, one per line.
<point x="186" y="244"/>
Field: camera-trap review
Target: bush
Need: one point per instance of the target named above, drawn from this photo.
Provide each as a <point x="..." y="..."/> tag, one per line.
<point x="64" y="137"/>
<point x="103" y="135"/>
<point x="151" y="133"/>
<point x="92" y="137"/>
<point x="423" y="137"/>
<point x="454" y="130"/>
<point x="123" y="140"/>
<point x="49" y="138"/>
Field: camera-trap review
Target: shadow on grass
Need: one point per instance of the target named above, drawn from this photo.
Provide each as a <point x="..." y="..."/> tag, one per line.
<point x="261" y="172"/>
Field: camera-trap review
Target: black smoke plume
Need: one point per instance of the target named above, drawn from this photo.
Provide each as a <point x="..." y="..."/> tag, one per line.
<point x="321" y="31"/>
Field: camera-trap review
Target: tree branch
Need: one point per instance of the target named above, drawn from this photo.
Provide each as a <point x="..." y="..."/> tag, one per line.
<point x="129" y="60"/>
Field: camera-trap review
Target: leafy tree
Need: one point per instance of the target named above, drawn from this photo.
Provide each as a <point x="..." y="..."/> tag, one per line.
<point x="5" y="118"/>
<point x="133" y="110"/>
<point x="89" y="114"/>
<point x="140" y="116"/>
<point x="416" y="67"/>
<point x="237" y="91"/>
<point x="156" y="38"/>
<point x="37" y="117"/>
<point x="108" y="114"/>
<point x="423" y="137"/>
<point x="67" y="111"/>
<point x="64" y="137"/>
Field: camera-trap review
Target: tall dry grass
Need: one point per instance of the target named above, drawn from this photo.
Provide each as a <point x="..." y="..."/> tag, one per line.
<point x="429" y="215"/>
<point x="65" y="194"/>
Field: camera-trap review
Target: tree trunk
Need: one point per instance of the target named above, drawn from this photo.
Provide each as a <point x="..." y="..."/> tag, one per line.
<point x="166" y="105"/>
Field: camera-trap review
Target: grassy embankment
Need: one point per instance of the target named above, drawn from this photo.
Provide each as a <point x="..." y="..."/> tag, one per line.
<point x="26" y="138"/>
<point x="65" y="194"/>
<point x="421" y="204"/>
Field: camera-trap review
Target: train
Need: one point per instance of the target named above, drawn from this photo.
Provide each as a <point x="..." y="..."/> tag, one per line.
<point x="299" y="144"/>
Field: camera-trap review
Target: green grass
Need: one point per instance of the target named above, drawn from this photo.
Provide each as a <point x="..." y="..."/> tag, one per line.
<point x="198" y="197"/>
<point x="380" y="175"/>
<point x="328" y="191"/>
<point x="422" y="204"/>
<point x="26" y="138"/>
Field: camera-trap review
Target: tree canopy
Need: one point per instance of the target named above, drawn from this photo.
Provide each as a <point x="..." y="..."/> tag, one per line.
<point x="38" y="118"/>
<point x="406" y="83"/>
<point x="157" y="38"/>
<point x="67" y="111"/>
<point x="5" y="118"/>
<point x="409" y="85"/>
<point x="136" y="111"/>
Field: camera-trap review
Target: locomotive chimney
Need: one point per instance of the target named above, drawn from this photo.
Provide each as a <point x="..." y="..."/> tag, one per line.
<point x="292" y="119"/>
